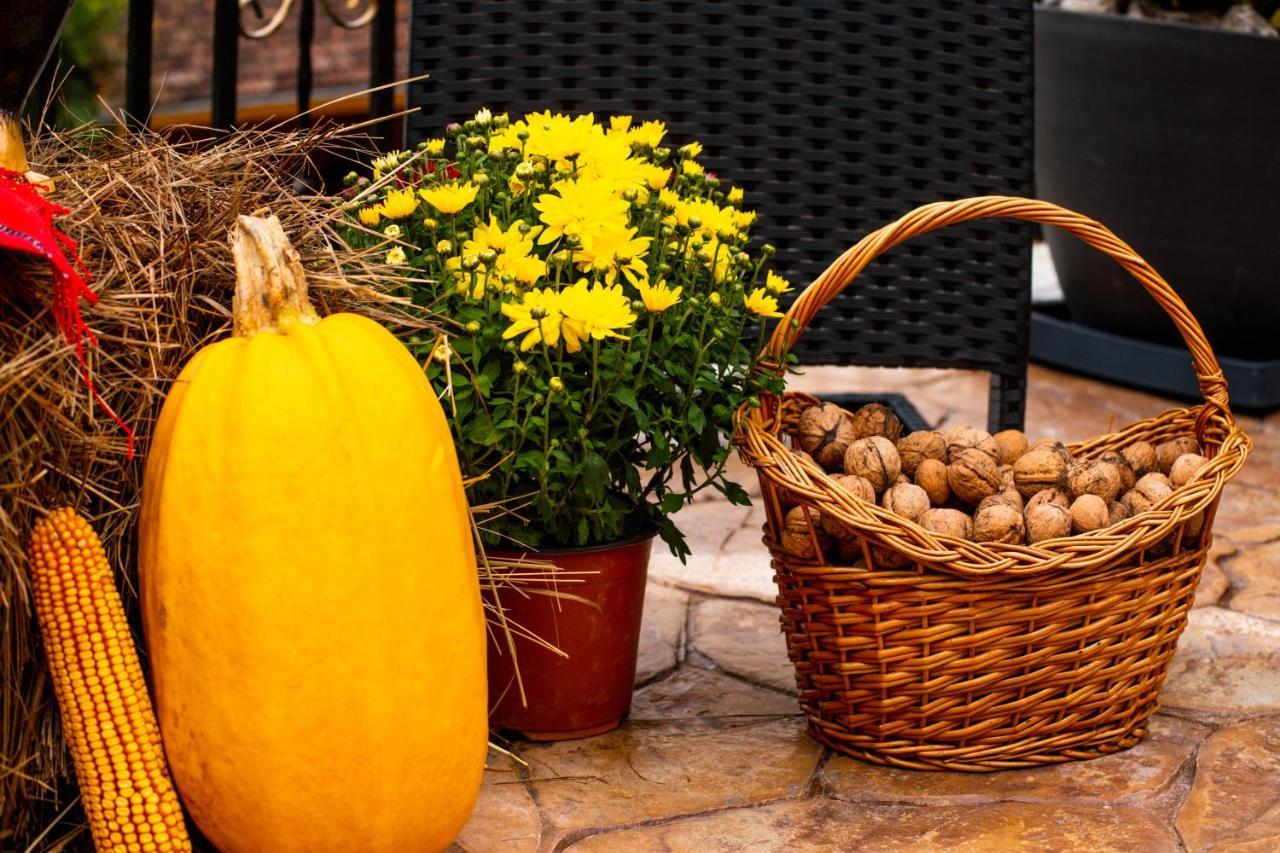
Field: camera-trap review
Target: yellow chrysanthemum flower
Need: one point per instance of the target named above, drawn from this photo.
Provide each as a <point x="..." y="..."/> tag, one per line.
<point x="620" y="125"/>
<point x="714" y="299"/>
<point x="557" y="137"/>
<point x="399" y="203"/>
<point x="450" y="198"/>
<point x="370" y="216"/>
<point x="396" y="256"/>
<point x="392" y="232"/>
<point x="760" y="303"/>
<point x="525" y="269"/>
<point x="649" y="134"/>
<point x="593" y="313"/>
<point x="494" y="236"/>
<point x="776" y="283"/>
<point x="735" y="195"/>
<point x="658" y="297"/>
<point x="576" y="206"/>
<point x="435" y="147"/>
<point x="691" y="167"/>
<point x="612" y="246"/>
<point x="537" y="316"/>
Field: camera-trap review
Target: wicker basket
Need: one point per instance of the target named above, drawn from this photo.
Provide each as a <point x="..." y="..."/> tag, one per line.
<point x="980" y="656"/>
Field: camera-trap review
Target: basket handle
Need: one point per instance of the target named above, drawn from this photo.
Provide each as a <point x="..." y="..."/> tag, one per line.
<point x="922" y="220"/>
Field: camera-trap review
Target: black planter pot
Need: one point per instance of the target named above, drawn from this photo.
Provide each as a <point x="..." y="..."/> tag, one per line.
<point x="1170" y="135"/>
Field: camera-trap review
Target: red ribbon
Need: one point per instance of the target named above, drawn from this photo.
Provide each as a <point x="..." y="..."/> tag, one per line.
<point x="26" y="225"/>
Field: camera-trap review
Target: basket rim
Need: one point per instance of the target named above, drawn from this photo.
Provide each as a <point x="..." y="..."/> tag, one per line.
<point x="757" y="437"/>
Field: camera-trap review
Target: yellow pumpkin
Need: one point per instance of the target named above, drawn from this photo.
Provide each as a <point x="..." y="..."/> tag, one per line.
<point x="309" y="588"/>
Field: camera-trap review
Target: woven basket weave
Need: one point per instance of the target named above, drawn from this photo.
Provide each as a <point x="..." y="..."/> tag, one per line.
<point x="980" y="656"/>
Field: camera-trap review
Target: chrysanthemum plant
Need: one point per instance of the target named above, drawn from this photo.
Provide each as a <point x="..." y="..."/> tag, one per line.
<point x="604" y="309"/>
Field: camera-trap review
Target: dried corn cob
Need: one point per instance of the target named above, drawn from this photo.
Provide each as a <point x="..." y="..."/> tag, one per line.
<point x="106" y="712"/>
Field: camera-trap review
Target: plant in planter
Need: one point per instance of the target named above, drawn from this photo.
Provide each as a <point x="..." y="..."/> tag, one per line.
<point x="601" y="292"/>
<point x="1159" y="119"/>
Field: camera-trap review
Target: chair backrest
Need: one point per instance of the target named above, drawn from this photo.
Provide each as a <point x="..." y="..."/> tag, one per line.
<point x="834" y="117"/>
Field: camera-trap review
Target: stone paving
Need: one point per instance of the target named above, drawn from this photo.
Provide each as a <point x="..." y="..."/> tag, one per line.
<point x="715" y="757"/>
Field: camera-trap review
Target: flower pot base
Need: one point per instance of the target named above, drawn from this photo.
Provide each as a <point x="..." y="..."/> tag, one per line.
<point x="573" y="734"/>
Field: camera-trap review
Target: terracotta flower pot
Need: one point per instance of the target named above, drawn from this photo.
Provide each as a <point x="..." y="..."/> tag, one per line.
<point x="589" y="692"/>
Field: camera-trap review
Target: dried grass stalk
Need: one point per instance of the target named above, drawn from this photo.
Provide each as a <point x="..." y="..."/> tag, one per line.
<point x="152" y="215"/>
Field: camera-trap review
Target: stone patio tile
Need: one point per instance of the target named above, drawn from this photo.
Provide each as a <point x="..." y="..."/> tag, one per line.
<point x="661" y="631"/>
<point x="728" y="557"/>
<point x="1255" y="580"/>
<point x="1244" y="508"/>
<point x="1213" y="579"/>
<point x="1227" y="667"/>
<point x="826" y="825"/>
<point x="1268" y="532"/>
<point x="505" y="818"/>
<point x="744" y="638"/>
<point x="1235" y="802"/>
<point x="1146" y="775"/>
<point x="646" y="772"/>
<point x="695" y="692"/>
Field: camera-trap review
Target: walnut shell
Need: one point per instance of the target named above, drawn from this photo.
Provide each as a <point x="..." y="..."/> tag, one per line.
<point x="1184" y="468"/>
<point x="876" y="419"/>
<point x="900" y="480"/>
<point x="1013" y="496"/>
<point x="1039" y="469"/>
<point x="1012" y="499"/>
<point x="887" y="558"/>
<point x="848" y="552"/>
<point x="1006" y="478"/>
<point x="966" y="438"/>
<point x="801" y="531"/>
<point x="1141" y="456"/>
<point x="999" y="522"/>
<point x="920" y="445"/>
<point x="1047" y="521"/>
<point x="1010" y="444"/>
<point x="1089" y="512"/>
<point x="1191" y="530"/>
<point x="874" y="458"/>
<point x="859" y="488"/>
<point x="1117" y="512"/>
<point x="947" y="522"/>
<point x="973" y="475"/>
<point x="1147" y="492"/>
<point x="825" y="433"/>
<point x="1123" y="468"/>
<point x="932" y="477"/>
<point x="906" y="500"/>
<point x="1055" y="496"/>
<point x="1094" y="477"/>
<point x="1168" y="452"/>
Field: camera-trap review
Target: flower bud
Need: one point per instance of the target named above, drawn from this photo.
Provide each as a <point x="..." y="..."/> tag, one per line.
<point x="488" y="256"/>
<point x="480" y="179"/>
<point x="473" y="326"/>
<point x="768" y="250"/>
<point x="524" y="228"/>
<point x="524" y="170"/>
<point x="453" y="127"/>
<point x="350" y="179"/>
<point x="695" y="222"/>
<point x="573" y="241"/>
<point x="666" y="232"/>
<point x="520" y="368"/>
<point x="430" y="224"/>
<point x="555" y="385"/>
<point x="661" y="154"/>
<point x="522" y="135"/>
<point x="583" y="433"/>
<point x="537" y="313"/>
<point x="476" y="141"/>
<point x="630" y="194"/>
<point x="444" y="247"/>
<point x="470" y="262"/>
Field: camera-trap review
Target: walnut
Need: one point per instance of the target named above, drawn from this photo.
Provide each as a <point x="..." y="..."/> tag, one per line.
<point x="906" y="500"/>
<point x="859" y="488"/>
<point x="1184" y="468"/>
<point x="1168" y="452"/>
<point x="972" y="475"/>
<point x="1006" y="478"/>
<point x="1039" y="469"/>
<point x="887" y="558"/>
<point x="1012" y="496"/>
<point x="999" y="522"/>
<point x="1047" y="521"/>
<point x="849" y="552"/>
<point x="947" y="522"/>
<point x="874" y="458"/>
<point x="876" y="419"/>
<point x="1089" y="512"/>
<point x="1057" y="497"/>
<point x="1141" y="456"/>
<point x="825" y="433"/>
<point x="1056" y="446"/>
<point x="1012" y="499"/>
<point x="901" y="480"/>
<point x="1191" y="530"/>
<point x="966" y="438"/>
<point x="1117" y="512"/>
<point x="1094" y="477"/>
<point x="801" y="530"/>
<point x="1123" y="468"/>
<point x="1147" y="492"/>
<point x="920" y="445"/>
<point x="932" y="477"/>
<point x="1010" y="444"/>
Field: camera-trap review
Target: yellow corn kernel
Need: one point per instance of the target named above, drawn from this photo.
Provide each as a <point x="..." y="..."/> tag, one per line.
<point x="106" y="715"/>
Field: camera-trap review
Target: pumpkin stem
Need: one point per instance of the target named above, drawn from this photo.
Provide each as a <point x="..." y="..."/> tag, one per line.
<point x="13" y="156"/>
<point x="271" y="287"/>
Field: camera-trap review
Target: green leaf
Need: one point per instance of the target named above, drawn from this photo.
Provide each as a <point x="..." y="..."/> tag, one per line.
<point x="626" y="397"/>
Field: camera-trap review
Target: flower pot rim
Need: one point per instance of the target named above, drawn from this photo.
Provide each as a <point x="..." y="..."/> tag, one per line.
<point x="581" y="549"/>
<point x="1184" y="26"/>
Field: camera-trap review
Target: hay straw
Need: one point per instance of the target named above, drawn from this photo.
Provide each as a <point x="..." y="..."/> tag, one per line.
<point x="152" y="213"/>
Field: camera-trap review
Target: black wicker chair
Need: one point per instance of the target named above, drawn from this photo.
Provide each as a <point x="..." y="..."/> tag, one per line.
<point x="835" y="117"/>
